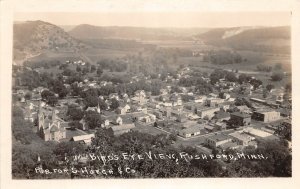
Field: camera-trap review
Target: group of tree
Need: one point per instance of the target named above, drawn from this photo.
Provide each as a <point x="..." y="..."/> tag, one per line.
<point x="264" y="68"/>
<point x="49" y="97"/>
<point x="112" y="65"/>
<point x="218" y="74"/>
<point x="223" y="57"/>
<point x="277" y="76"/>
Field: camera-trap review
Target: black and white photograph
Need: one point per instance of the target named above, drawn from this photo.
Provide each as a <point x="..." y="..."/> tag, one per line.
<point x="149" y="92"/>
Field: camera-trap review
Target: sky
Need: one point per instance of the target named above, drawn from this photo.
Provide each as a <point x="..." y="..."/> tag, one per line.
<point x="162" y="18"/>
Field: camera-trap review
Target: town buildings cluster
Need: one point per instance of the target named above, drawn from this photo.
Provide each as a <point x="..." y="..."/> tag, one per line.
<point x="216" y="117"/>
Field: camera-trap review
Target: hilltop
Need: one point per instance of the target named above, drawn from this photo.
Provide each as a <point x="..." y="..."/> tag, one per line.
<point x="32" y="38"/>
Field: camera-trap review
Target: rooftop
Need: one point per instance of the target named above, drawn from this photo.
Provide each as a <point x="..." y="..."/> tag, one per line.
<point x="241" y="136"/>
<point x="219" y="137"/>
<point x="193" y="129"/>
<point x="238" y="114"/>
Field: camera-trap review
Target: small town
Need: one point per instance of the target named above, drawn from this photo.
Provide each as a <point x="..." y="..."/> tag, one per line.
<point x="125" y="90"/>
<point x="232" y="118"/>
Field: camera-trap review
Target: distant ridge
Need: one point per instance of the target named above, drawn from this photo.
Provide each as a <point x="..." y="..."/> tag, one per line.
<point x="270" y="39"/>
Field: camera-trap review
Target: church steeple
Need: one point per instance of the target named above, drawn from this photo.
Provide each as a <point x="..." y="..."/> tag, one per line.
<point x="98" y="108"/>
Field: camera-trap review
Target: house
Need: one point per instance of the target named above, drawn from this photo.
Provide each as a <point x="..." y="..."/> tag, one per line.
<point x="176" y="99"/>
<point x="241" y="138"/>
<point x="140" y="93"/>
<point x="225" y="106"/>
<point x="214" y="102"/>
<point x="113" y="95"/>
<point x="139" y="108"/>
<point x="220" y="125"/>
<point x="155" y="105"/>
<point x="114" y="120"/>
<point x="105" y="123"/>
<point x="158" y="114"/>
<point x="257" y="100"/>
<point x="84" y="125"/>
<point x="207" y="112"/>
<point x="120" y="129"/>
<point x="240" y="119"/>
<point x="94" y="109"/>
<point x="191" y="131"/>
<point x="192" y="116"/>
<point x="266" y="115"/>
<point x="85" y="139"/>
<point x="279" y="98"/>
<point x="209" y="128"/>
<point x="181" y="117"/>
<point x="29" y="115"/>
<point x="117" y="121"/>
<point x="200" y="99"/>
<point x="164" y="98"/>
<point x="257" y="132"/>
<point x="217" y="140"/>
<point x="242" y="109"/>
<point x="212" y="95"/>
<point x="39" y="90"/>
<point x="123" y="109"/>
<point x="139" y="97"/>
<point x="163" y="91"/>
<point x="50" y="127"/>
<point x="144" y="117"/>
<point x="225" y="96"/>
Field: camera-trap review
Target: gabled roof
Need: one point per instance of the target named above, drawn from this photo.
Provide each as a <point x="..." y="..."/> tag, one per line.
<point x="83" y="137"/>
<point x="193" y="129"/>
<point x="54" y="129"/>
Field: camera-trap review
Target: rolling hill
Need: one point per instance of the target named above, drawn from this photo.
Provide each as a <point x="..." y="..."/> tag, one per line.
<point x="86" y="31"/>
<point x="32" y="38"/>
<point x="266" y="39"/>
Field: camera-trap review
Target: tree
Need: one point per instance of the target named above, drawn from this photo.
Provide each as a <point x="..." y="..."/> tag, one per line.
<point x="67" y="72"/>
<point x="173" y="137"/>
<point x="75" y="112"/>
<point x="68" y="149"/>
<point x="265" y="93"/>
<point x="277" y="76"/>
<point x="90" y="101"/>
<point x="28" y="96"/>
<point x="230" y="76"/>
<point x="288" y="87"/>
<point x="269" y="87"/>
<point x="93" y="119"/>
<point x="99" y="71"/>
<point x="59" y="88"/>
<point x="49" y="97"/>
<point x="256" y="83"/>
<point x="114" y="104"/>
<point x="243" y="78"/>
<point x="93" y="68"/>
<point x="102" y="104"/>
<point x="78" y="69"/>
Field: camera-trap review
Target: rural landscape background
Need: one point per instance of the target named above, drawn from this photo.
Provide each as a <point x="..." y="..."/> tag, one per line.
<point x="95" y="76"/>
